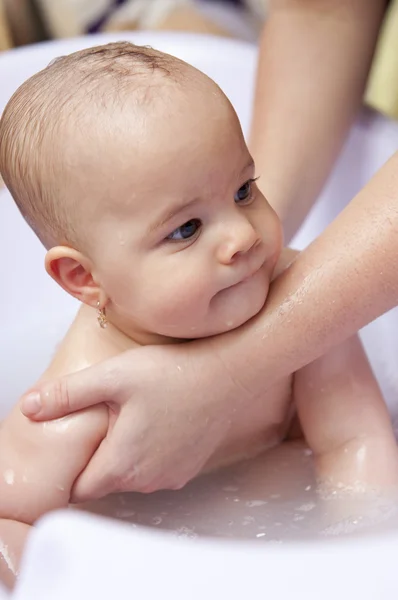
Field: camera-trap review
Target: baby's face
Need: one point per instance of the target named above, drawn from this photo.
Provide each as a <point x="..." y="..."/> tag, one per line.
<point x="182" y="241"/>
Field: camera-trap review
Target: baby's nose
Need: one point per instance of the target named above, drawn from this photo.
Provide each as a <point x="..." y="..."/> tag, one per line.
<point x="240" y="240"/>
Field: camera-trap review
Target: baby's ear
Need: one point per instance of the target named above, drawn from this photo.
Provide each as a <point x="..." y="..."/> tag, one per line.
<point x="73" y="272"/>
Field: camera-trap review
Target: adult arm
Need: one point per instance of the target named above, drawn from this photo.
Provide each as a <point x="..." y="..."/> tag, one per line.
<point x="313" y="65"/>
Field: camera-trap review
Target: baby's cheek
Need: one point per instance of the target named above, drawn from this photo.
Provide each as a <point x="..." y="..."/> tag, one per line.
<point x="182" y="302"/>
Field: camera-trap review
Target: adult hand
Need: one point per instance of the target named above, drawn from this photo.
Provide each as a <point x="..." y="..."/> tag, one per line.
<point x="158" y="438"/>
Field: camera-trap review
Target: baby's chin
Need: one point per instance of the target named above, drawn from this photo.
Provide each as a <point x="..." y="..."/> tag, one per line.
<point x="239" y="319"/>
<point x="229" y="309"/>
<point x="242" y="305"/>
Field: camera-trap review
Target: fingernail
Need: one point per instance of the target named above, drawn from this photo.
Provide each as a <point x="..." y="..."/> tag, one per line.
<point x="31" y="404"/>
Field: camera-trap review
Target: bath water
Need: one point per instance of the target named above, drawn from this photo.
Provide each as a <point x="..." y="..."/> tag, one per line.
<point x="272" y="498"/>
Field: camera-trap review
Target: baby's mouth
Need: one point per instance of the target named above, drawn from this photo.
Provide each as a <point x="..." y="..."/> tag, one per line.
<point x="251" y="274"/>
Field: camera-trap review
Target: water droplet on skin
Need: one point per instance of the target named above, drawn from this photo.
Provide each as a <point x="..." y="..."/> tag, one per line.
<point x="254" y="503"/>
<point x="9" y="476"/>
<point x="59" y="425"/>
<point x="125" y="513"/>
<point x="247" y="520"/>
<point x="361" y="454"/>
<point x="307" y="507"/>
<point x="259" y="535"/>
<point x="186" y="532"/>
<point x="8" y="559"/>
<point x="121" y="238"/>
<point x="157" y="520"/>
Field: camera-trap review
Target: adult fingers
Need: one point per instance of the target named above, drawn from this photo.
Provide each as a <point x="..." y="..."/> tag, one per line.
<point x="60" y="397"/>
<point x="108" y="471"/>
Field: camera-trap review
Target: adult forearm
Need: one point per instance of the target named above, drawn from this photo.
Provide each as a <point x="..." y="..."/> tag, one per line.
<point x="346" y="278"/>
<point x="314" y="60"/>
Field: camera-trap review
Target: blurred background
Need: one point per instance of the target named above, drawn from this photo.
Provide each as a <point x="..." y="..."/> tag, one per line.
<point x="30" y="21"/>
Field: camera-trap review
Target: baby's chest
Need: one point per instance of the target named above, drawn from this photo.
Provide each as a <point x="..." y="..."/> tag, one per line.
<point x="280" y="404"/>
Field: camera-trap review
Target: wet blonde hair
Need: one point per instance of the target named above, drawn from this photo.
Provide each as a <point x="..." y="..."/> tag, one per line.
<point x="31" y="161"/>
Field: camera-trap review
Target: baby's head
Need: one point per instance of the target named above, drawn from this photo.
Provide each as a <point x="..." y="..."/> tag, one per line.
<point x="131" y="167"/>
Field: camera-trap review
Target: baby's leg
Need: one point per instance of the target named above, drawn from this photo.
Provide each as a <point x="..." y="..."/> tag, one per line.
<point x="345" y="420"/>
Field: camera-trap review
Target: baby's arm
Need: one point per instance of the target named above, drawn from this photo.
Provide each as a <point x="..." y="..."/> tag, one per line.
<point x="39" y="463"/>
<point x="345" y="420"/>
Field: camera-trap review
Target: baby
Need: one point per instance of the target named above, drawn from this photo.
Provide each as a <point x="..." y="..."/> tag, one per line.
<point x="132" y="169"/>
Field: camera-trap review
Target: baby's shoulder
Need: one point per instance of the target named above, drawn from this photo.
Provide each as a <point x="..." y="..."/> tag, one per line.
<point x="86" y="344"/>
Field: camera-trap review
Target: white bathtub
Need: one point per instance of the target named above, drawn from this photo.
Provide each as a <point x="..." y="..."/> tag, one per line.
<point x="72" y="555"/>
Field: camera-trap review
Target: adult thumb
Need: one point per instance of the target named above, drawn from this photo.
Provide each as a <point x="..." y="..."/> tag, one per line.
<point x="60" y="397"/>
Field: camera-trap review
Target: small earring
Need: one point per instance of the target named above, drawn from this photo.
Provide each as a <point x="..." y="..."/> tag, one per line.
<point x="101" y="316"/>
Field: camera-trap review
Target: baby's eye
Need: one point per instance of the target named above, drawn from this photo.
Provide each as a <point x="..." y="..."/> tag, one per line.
<point x="186" y="231"/>
<point x="244" y="193"/>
